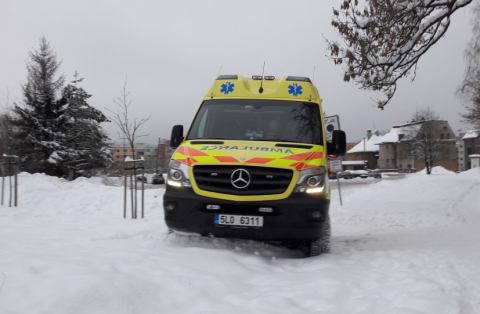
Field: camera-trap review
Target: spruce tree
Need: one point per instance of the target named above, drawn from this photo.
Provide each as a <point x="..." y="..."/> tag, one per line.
<point x="86" y="141"/>
<point x="37" y="140"/>
<point x="59" y="132"/>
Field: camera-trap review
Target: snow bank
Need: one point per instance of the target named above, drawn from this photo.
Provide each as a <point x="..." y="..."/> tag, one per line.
<point x="437" y="169"/>
<point x="67" y="249"/>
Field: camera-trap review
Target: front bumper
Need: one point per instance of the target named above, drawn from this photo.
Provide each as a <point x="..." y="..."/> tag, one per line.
<point x="300" y="217"/>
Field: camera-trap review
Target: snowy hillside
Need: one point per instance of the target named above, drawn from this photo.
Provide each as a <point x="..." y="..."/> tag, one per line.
<point x="404" y="246"/>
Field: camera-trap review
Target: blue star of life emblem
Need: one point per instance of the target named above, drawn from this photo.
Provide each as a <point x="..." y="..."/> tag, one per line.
<point x="227" y="88"/>
<point x="295" y="89"/>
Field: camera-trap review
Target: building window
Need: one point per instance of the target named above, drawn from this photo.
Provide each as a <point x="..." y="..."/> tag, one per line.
<point x="441" y="136"/>
<point x="409" y="166"/>
<point x="448" y="136"/>
<point x="388" y="161"/>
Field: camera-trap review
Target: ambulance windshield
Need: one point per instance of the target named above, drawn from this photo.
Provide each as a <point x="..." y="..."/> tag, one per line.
<point x="258" y="120"/>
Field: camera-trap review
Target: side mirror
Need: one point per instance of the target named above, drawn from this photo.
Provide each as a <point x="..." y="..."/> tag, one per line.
<point x="177" y="136"/>
<point x="338" y="145"/>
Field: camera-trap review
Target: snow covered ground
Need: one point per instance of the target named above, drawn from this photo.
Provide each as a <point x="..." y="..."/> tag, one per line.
<point x="404" y="246"/>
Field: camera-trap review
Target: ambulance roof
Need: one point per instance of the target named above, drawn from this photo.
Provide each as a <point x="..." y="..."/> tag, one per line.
<point x="287" y="88"/>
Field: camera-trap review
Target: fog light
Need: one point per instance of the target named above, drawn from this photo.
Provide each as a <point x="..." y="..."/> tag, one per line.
<point x="186" y="184"/>
<point x="265" y="210"/>
<point x="317" y="215"/>
<point x="312" y="181"/>
<point x="213" y="207"/>
<point x="169" y="207"/>
<point x="176" y="175"/>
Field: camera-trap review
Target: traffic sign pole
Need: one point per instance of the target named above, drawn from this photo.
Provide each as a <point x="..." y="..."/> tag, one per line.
<point x="339" y="191"/>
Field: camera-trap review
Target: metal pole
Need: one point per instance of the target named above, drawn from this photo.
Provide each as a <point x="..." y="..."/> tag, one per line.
<point x="125" y="194"/>
<point x="16" y="185"/>
<point x="131" y="193"/>
<point x="3" y="180"/>
<point x="136" y="182"/>
<point x="10" y="184"/>
<point x="339" y="192"/>
<point x="143" y="192"/>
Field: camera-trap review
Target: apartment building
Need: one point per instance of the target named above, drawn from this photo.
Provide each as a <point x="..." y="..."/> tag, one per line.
<point x="395" y="146"/>
<point x="165" y="154"/>
<point x="119" y="153"/>
<point x="149" y="153"/>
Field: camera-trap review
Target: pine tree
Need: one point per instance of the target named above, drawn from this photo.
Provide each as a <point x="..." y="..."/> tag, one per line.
<point x="59" y="132"/>
<point x="37" y="141"/>
<point x="86" y="142"/>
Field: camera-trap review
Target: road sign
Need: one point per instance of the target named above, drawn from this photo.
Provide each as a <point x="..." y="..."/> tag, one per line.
<point x="335" y="165"/>
<point x="332" y="156"/>
<point x="332" y="123"/>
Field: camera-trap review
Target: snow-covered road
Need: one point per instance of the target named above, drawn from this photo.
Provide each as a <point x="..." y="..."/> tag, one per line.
<point x="404" y="246"/>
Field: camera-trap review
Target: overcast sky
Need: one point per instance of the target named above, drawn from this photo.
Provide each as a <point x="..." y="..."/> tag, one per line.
<point x="172" y="51"/>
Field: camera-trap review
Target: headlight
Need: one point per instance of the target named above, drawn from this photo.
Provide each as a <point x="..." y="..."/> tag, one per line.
<point x="178" y="174"/>
<point x="311" y="180"/>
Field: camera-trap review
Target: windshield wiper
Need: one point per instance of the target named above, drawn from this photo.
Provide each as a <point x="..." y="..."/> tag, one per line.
<point x="274" y="140"/>
<point x="208" y="139"/>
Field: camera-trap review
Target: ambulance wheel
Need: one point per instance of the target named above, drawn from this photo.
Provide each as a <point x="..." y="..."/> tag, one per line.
<point x="321" y="245"/>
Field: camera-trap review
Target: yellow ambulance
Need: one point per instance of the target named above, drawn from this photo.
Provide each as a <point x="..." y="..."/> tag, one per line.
<point x="253" y="164"/>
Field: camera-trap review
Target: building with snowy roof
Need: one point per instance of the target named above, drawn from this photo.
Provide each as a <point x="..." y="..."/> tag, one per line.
<point x="475" y="161"/>
<point x="460" y="152"/>
<point x="364" y="154"/>
<point x="471" y="147"/>
<point x="395" y="147"/>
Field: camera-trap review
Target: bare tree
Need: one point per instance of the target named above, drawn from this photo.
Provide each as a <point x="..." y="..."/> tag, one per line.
<point x="384" y="41"/>
<point x="128" y="128"/>
<point x="470" y="88"/>
<point x="423" y="138"/>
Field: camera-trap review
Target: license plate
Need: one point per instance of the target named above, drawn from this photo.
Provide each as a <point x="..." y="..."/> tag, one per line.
<point x="237" y="220"/>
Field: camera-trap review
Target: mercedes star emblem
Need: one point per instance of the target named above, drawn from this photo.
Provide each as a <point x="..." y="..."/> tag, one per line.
<point x="240" y="178"/>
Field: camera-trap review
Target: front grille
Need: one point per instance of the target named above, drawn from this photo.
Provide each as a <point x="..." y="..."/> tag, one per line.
<point x="263" y="180"/>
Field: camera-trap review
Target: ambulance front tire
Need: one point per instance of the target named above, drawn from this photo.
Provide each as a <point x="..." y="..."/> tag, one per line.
<point x="323" y="244"/>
